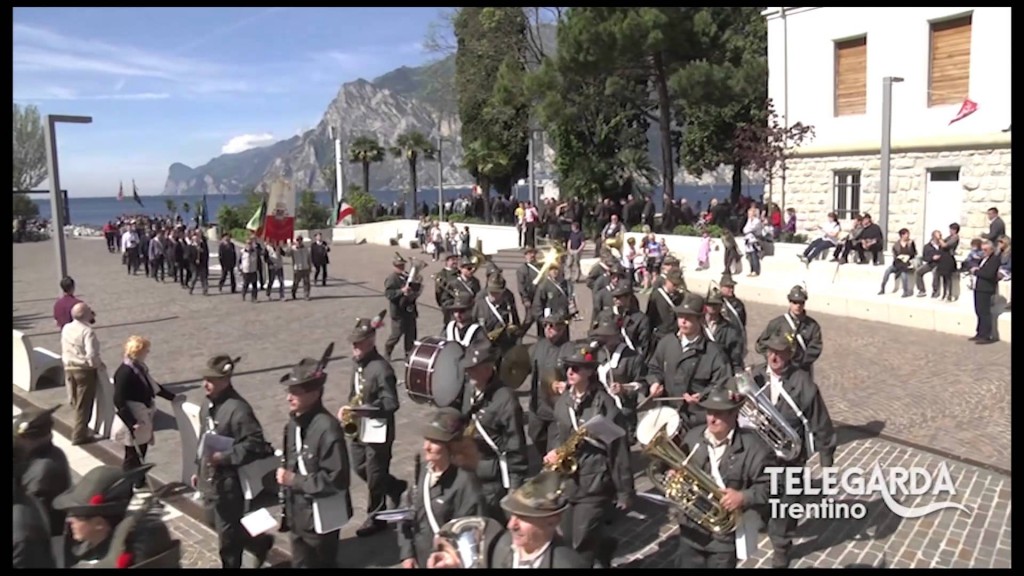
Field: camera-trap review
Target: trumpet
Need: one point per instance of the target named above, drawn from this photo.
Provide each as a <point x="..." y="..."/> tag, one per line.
<point x="551" y="258"/>
<point x="565" y="463"/>
<point x="689" y="488"/>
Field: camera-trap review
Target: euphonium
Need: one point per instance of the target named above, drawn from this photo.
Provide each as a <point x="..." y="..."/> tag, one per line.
<point x="565" y="463"/>
<point x="767" y="421"/>
<point x="551" y="258"/>
<point x="691" y="489"/>
<point x="467" y="537"/>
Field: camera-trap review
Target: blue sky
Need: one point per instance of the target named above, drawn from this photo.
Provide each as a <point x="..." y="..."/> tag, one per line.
<point x="184" y="85"/>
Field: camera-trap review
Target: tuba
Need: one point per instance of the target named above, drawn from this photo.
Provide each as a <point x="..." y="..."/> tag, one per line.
<point x="766" y="420"/>
<point x="691" y="489"/>
<point x="467" y="538"/>
<point x="566" y="463"/>
<point x="615" y="243"/>
<point x="551" y="258"/>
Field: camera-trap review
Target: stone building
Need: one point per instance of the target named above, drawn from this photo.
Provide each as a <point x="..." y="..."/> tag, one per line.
<point x="826" y="69"/>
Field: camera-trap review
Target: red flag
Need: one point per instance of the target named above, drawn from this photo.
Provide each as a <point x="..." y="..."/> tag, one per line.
<point x="120" y="191"/>
<point x="966" y="109"/>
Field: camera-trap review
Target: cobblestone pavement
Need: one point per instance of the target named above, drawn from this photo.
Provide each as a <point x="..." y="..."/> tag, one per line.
<point x="891" y="382"/>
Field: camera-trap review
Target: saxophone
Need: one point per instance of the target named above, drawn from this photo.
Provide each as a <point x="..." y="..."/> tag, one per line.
<point x="349" y="425"/>
<point x="565" y="463"/>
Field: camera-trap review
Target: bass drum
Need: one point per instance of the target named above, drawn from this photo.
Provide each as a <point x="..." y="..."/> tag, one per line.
<point x="653" y="420"/>
<point x="432" y="373"/>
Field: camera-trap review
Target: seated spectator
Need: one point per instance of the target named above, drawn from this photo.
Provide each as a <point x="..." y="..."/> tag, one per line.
<point x="829" y="238"/>
<point x="903" y="253"/>
<point x="1004" y="257"/>
<point x="930" y="257"/>
<point x="869" y="241"/>
<point x="842" y="251"/>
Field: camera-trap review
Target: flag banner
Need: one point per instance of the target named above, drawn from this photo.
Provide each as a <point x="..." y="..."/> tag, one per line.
<point x="135" y="195"/>
<point x="966" y="109"/>
<point x="279" y="223"/>
<point x="344" y="215"/>
<point x="255" y="223"/>
<point x="202" y="219"/>
<point x="120" y="191"/>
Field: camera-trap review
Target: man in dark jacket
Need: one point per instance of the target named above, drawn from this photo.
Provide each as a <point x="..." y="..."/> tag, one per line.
<point x="870" y="241"/>
<point x="368" y="419"/>
<point x="227" y="256"/>
<point x="318" y="254"/>
<point x="220" y="478"/>
<point x="46" y="472"/>
<point x="806" y="331"/>
<point x="986" y="279"/>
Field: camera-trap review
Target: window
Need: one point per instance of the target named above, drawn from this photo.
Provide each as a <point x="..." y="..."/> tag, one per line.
<point x="846" y="194"/>
<point x="851" y="88"/>
<point x="949" y="61"/>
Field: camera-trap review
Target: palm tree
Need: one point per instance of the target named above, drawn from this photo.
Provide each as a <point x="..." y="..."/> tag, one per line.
<point x="186" y="208"/>
<point x="413" y="145"/>
<point x="634" y="171"/>
<point x="366" y="150"/>
<point x="486" y="163"/>
<point x="171" y="206"/>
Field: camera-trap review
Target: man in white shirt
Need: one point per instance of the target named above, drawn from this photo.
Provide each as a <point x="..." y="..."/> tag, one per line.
<point x="80" y="354"/>
<point x="130" y="245"/>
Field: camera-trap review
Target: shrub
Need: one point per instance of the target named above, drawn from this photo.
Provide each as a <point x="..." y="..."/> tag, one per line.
<point x="464" y="219"/>
<point x="240" y="234"/>
<point x="310" y="214"/>
<point x="687" y="230"/>
<point x="230" y="218"/>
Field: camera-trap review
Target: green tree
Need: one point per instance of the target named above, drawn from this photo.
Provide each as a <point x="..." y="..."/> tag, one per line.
<point x="364" y="204"/>
<point x="30" y="168"/>
<point x="726" y="90"/>
<point x="765" y="145"/>
<point x="592" y="104"/>
<point x="412" y="146"/>
<point x="490" y="76"/>
<point x="172" y="207"/>
<point x="366" y="151"/>
<point x="230" y="218"/>
<point x="310" y="214"/>
<point x="186" y="208"/>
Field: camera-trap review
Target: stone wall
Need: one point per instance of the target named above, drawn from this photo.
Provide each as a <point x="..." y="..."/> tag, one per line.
<point x="984" y="174"/>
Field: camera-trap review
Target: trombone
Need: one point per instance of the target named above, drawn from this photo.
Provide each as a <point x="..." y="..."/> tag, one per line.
<point x="551" y="258"/>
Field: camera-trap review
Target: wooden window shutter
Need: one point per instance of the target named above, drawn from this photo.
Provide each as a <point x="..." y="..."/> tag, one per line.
<point x="851" y="77"/>
<point x="949" y="74"/>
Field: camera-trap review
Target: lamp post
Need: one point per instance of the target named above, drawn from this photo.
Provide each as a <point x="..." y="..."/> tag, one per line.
<point x="532" y="177"/>
<point x="56" y="199"/>
<point x="339" y="160"/>
<point x="886" y="154"/>
<point x="440" y="178"/>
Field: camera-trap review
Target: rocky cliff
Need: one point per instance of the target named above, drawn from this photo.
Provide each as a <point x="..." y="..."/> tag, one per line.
<point x="360" y="108"/>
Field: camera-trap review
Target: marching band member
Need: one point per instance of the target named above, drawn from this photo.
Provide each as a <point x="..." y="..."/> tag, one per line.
<point x="619" y="365"/>
<point x="461" y="328"/>
<point x="597" y="276"/>
<point x="728" y="335"/>
<point x="806" y="331"/>
<point x="497" y="309"/>
<point x="95" y="506"/>
<point x="466" y="280"/>
<point x="547" y="378"/>
<point x="687" y="364"/>
<point x="143" y="540"/>
<point x="401" y="299"/>
<point x="669" y="265"/>
<point x="525" y="275"/>
<point x="530" y="539"/>
<point x="31" y="529"/>
<point x="497" y="420"/>
<point x="793" y="392"/>
<point x="602" y="299"/>
<point x="553" y="293"/>
<point x="602" y="476"/>
<point x="633" y="324"/>
<point x="226" y="413"/>
<point x="732" y="306"/>
<point x="45" y="472"/>
<point x="442" y="280"/>
<point x="736" y="459"/>
<point x="315" y="468"/>
<point x="661" y="306"/>
<point x="447" y="488"/>
<point x="373" y="386"/>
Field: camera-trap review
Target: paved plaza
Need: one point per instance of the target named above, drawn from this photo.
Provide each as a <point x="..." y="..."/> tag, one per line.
<point x="900" y="396"/>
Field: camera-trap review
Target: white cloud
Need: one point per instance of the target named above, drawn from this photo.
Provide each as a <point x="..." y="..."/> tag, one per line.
<point x="40" y="50"/>
<point x="246" y="142"/>
<point x="53" y="93"/>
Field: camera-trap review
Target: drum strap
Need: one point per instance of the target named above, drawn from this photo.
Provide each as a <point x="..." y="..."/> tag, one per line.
<point x="466" y="338"/>
<point x="666" y="297"/>
<point x="494" y="310"/>
<point x="506" y="480"/>
<point x="559" y="286"/>
<point x="604" y="373"/>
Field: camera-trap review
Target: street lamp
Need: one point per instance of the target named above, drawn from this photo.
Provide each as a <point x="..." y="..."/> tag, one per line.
<point x="886" y="154"/>
<point x="339" y="171"/>
<point x="440" y="178"/>
<point x="56" y="199"/>
<point x="534" y="131"/>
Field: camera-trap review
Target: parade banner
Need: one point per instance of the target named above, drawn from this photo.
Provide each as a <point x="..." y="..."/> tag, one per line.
<point x="280" y="221"/>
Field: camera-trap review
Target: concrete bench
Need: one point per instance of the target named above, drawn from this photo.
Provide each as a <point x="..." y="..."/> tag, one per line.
<point x="31" y="364"/>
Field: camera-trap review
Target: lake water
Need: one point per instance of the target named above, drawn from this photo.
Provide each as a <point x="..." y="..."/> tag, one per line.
<point x="97" y="211"/>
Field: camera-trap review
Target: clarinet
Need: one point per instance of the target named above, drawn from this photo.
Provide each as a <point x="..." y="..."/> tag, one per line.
<point x="282" y="490"/>
<point x="409" y="526"/>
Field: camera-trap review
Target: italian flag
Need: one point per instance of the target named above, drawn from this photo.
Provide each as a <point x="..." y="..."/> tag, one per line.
<point x="344" y="212"/>
<point x="255" y="223"/>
